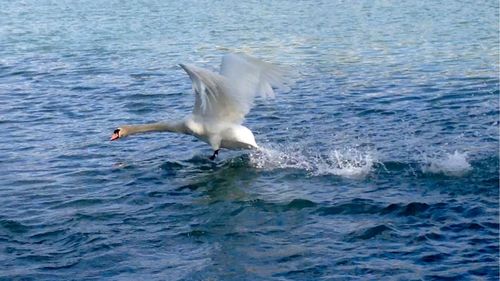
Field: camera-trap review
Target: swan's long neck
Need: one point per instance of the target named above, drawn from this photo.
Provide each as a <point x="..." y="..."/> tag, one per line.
<point x="176" y="127"/>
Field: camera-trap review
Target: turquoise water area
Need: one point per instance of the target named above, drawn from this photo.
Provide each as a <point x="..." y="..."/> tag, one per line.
<point x="380" y="163"/>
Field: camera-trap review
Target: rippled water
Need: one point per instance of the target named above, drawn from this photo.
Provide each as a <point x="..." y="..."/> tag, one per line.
<point x="380" y="163"/>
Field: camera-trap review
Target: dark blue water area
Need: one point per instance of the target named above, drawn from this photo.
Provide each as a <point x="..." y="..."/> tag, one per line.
<point x="380" y="163"/>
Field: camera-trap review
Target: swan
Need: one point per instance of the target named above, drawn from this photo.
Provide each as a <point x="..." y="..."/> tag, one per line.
<point x="222" y="100"/>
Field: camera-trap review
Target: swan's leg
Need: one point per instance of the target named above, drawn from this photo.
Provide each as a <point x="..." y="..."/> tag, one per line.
<point x="214" y="155"/>
<point x="214" y="140"/>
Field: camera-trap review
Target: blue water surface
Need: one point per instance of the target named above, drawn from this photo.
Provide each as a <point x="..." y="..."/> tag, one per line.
<point x="380" y="163"/>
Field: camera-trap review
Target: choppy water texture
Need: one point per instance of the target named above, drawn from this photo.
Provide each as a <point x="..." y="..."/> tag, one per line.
<point x="381" y="163"/>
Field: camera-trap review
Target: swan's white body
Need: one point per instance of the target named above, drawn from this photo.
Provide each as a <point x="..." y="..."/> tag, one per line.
<point x="221" y="102"/>
<point x="220" y="134"/>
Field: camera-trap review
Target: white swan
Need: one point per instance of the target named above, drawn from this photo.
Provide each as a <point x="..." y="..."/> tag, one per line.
<point x="221" y="103"/>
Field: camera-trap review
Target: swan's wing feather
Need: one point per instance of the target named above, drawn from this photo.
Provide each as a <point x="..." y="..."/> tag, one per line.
<point x="252" y="76"/>
<point x="229" y="96"/>
<point x="213" y="97"/>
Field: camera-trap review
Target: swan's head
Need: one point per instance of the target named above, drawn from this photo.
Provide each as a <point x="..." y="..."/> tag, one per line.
<point x="119" y="133"/>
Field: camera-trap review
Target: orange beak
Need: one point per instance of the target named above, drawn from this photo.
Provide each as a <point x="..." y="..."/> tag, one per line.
<point x="114" y="136"/>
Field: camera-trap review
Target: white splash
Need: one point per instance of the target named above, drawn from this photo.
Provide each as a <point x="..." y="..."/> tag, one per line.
<point x="455" y="164"/>
<point x="349" y="163"/>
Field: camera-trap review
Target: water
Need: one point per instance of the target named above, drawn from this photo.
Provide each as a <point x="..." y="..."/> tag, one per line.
<point x="381" y="162"/>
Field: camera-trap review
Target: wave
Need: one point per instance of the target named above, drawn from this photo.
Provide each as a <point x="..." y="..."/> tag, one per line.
<point x="349" y="162"/>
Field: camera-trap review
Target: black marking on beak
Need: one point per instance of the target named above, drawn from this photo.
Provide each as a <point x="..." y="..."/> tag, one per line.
<point x="116" y="135"/>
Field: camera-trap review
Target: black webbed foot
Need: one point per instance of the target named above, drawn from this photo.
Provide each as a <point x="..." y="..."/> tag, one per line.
<point x="214" y="155"/>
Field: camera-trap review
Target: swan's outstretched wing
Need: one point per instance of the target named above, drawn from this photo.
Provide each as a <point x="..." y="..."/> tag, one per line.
<point x="214" y="98"/>
<point x="252" y="76"/>
<point x="229" y="96"/>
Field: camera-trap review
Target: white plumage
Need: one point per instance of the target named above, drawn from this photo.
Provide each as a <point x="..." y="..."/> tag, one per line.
<point x="222" y="100"/>
<point x="229" y="96"/>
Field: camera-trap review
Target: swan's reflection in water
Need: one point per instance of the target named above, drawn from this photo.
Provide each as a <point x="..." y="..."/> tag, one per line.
<point x="220" y="213"/>
<point x="223" y="181"/>
<point x="235" y="220"/>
